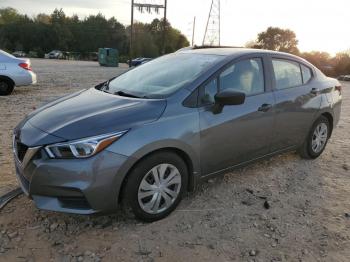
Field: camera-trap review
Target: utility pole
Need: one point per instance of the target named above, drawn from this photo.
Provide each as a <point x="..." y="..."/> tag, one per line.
<point x="164" y="26"/>
<point x="149" y="8"/>
<point x="219" y="6"/>
<point x="131" y="32"/>
<point x="212" y="29"/>
<point x="194" y="28"/>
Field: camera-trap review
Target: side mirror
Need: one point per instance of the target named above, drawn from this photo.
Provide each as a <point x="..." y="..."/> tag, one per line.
<point x="229" y="97"/>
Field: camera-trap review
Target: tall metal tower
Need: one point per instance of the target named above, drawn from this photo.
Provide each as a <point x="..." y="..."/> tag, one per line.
<point x="212" y="30"/>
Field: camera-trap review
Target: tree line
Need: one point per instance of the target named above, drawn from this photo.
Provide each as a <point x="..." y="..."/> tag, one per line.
<point x="57" y="31"/>
<point x="285" y="40"/>
<point x="44" y="33"/>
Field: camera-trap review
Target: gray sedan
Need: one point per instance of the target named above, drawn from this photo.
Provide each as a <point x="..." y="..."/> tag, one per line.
<point x="149" y="135"/>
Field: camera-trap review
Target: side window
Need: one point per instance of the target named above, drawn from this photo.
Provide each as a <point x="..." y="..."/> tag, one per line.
<point x="307" y="73"/>
<point x="287" y="73"/>
<point x="209" y="92"/>
<point x="246" y="76"/>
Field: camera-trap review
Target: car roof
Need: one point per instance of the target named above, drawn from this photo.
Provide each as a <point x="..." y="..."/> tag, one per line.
<point x="232" y="51"/>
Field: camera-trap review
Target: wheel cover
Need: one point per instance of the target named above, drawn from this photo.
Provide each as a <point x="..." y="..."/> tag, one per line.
<point x="159" y="188"/>
<point x="319" y="137"/>
<point x="3" y="86"/>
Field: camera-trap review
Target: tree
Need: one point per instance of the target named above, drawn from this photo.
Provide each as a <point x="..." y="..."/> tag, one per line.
<point x="44" y="33"/>
<point x="342" y="63"/>
<point x="9" y="15"/>
<point x="144" y="42"/>
<point x="275" y="38"/>
<point x="148" y="39"/>
<point x="252" y="44"/>
<point x="321" y="60"/>
<point x="174" y="40"/>
<point x="43" y="18"/>
<point x="317" y="58"/>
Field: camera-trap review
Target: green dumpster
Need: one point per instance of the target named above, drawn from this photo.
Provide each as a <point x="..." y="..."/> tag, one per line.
<point x="108" y="57"/>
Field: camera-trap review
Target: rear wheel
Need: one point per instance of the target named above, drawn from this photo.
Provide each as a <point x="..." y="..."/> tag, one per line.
<point x="155" y="186"/>
<point x="6" y="87"/>
<point x="317" y="139"/>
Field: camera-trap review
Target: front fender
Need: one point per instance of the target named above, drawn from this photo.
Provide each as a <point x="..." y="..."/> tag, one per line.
<point x="170" y="144"/>
<point x="179" y="132"/>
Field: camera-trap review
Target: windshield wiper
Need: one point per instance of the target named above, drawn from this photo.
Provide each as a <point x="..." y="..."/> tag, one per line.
<point x="122" y="93"/>
<point x="104" y="90"/>
<point x="105" y="87"/>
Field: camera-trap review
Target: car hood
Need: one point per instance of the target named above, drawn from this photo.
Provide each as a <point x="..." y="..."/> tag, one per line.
<point x="92" y="112"/>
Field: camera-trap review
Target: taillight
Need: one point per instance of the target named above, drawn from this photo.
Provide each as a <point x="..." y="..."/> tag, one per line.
<point x="25" y="66"/>
<point x="338" y="88"/>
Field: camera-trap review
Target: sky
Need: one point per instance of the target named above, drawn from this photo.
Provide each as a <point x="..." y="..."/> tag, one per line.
<point x="322" y="25"/>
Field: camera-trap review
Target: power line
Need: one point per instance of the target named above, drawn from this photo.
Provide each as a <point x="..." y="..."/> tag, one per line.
<point x="148" y="7"/>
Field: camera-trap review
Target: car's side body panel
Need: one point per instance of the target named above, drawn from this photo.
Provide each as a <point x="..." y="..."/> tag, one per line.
<point x="294" y="111"/>
<point x="177" y="129"/>
<point x="238" y="134"/>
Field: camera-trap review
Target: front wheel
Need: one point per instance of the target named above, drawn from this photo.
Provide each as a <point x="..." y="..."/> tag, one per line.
<point x="156" y="185"/>
<point x="317" y="139"/>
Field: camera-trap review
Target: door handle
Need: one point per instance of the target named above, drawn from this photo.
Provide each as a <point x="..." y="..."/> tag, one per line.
<point x="265" y="107"/>
<point x="315" y="91"/>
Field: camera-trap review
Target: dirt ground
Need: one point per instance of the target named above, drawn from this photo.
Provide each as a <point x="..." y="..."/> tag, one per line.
<point x="308" y="218"/>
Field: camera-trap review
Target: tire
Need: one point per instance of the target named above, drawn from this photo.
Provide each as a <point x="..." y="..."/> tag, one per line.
<point x="150" y="204"/>
<point x="309" y="150"/>
<point x="6" y="87"/>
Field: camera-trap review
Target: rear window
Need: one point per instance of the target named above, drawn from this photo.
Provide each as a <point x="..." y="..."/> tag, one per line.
<point x="307" y="73"/>
<point x="287" y="73"/>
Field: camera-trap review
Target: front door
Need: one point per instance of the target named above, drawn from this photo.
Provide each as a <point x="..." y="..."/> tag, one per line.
<point x="239" y="132"/>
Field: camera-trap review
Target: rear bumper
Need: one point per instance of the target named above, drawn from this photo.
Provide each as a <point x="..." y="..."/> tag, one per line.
<point x="26" y="78"/>
<point x="337" y="112"/>
<point x="80" y="186"/>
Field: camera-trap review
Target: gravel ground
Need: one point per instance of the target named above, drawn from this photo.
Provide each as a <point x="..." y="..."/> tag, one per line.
<point x="281" y="209"/>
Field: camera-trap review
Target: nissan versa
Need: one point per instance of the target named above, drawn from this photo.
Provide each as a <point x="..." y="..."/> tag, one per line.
<point x="147" y="136"/>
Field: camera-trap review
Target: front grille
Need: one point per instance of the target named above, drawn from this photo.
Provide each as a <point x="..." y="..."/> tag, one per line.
<point x="21" y="150"/>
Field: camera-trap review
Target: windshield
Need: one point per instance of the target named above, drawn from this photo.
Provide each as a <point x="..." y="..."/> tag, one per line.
<point x="161" y="77"/>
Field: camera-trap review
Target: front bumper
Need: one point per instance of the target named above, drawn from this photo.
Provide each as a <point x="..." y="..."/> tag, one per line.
<point x="81" y="186"/>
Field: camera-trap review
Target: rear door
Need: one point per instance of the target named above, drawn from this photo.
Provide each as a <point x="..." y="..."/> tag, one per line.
<point x="239" y="132"/>
<point x="3" y="60"/>
<point x="297" y="101"/>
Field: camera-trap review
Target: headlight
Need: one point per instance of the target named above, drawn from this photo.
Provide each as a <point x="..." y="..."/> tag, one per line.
<point x="82" y="148"/>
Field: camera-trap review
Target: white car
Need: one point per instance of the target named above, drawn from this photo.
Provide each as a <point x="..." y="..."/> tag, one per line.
<point x="55" y="54"/>
<point x="14" y="72"/>
<point x="344" y="78"/>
